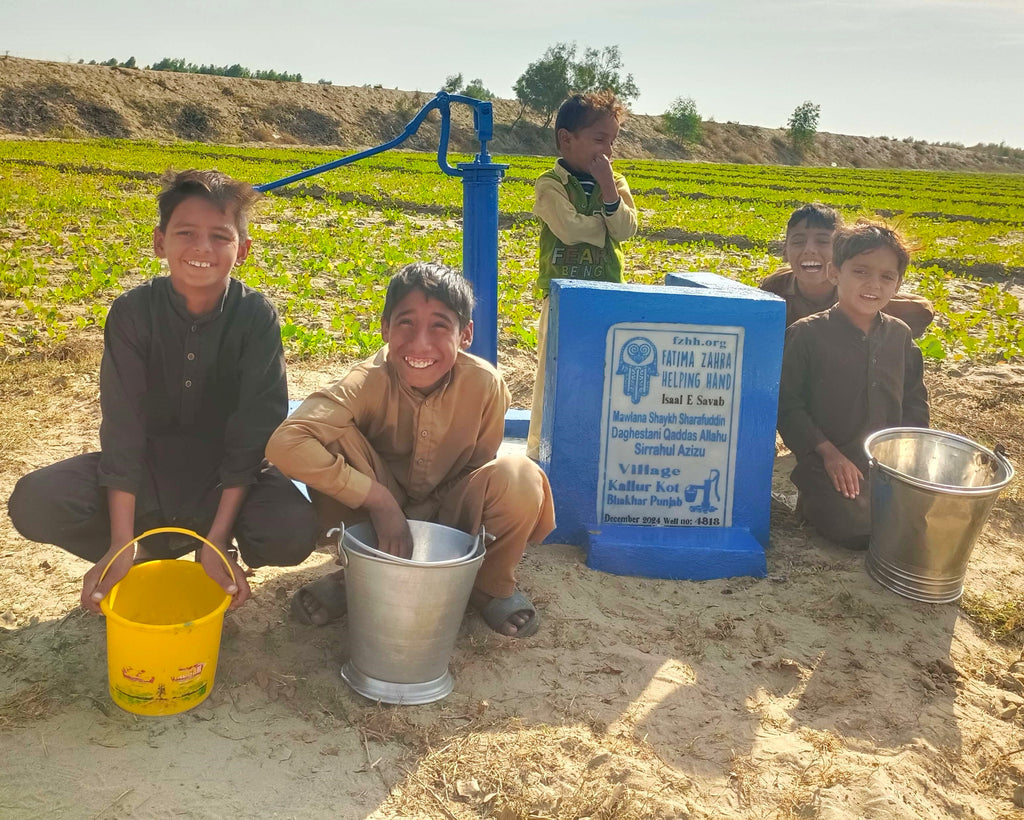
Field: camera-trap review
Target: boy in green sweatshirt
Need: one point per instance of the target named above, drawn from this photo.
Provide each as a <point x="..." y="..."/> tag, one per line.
<point x="586" y="211"/>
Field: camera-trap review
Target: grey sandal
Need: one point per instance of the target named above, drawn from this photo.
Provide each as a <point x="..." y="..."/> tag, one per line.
<point x="498" y="610"/>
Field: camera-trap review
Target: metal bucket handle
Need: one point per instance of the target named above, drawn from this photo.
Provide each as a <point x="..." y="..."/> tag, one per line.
<point x="180" y="531"/>
<point x="480" y="541"/>
<point x="887" y="473"/>
<point x="882" y="474"/>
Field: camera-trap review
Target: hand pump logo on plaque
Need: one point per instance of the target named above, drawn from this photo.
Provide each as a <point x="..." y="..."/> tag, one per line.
<point x="669" y="420"/>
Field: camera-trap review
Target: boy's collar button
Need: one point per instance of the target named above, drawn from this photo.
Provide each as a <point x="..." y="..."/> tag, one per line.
<point x="195" y="328"/>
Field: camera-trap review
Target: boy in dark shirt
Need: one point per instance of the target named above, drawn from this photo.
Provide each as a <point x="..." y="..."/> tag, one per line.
<point x="846" y="373"/>
<point x="804" y="283"/>
<point x="192" y="384"/>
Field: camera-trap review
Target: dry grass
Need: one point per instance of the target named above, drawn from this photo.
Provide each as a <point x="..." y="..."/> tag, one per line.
<point x="1001" y="621"/>
<point x="26" y="705"/>
<point x="46" y="392"/>
<point x="798" y="791"/>
<point x="516" y="772"/>
<point x="990" y="414"/>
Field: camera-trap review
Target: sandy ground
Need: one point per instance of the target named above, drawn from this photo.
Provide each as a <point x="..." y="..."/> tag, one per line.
<point x="812" y="692"/>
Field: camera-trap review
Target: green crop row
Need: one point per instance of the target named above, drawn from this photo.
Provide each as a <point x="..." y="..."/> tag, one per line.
<point x="76" y="222"/>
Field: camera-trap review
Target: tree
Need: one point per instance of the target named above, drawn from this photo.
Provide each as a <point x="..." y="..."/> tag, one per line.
<point x="545" y="83"/>
<point x="803" y="125"/>
<point x="476" y="90"/>
<point x="682" y="120"/>
<point x="236" y="70"/>
<point x="549" y="80"/>
<point x="600" y="70"/>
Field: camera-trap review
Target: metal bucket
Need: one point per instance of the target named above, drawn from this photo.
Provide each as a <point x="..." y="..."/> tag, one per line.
<point x="931" y="494"/>
<point x="404" y="615"/>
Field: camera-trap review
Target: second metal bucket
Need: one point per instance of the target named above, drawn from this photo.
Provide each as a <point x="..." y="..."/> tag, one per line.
<point x="931" y="494"/>
<point x="404" y="615"/>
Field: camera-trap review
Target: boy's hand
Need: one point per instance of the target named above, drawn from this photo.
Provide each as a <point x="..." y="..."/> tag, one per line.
<point x="601" y="169"/>
<point x="845" y="475"/>
<point x="93" y="589"/>
<point x="238" y="588"/>
<point x="389" y="522"/>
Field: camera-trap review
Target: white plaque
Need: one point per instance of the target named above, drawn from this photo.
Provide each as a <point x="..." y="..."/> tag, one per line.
<point x="670" y="412"/>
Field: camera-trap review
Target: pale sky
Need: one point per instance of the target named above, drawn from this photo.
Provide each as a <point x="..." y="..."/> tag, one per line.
<point x="931" y="69"/>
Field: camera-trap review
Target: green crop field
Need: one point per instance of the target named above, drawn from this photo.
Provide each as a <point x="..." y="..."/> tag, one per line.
<point x="76" y="223"/>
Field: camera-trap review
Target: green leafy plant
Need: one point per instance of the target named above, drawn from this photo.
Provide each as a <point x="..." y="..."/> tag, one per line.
<point x="76" y="222"/>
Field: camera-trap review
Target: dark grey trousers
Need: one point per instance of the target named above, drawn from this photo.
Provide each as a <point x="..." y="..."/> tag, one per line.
<point x="846" y="521"/>
<point x="63" y="504"/>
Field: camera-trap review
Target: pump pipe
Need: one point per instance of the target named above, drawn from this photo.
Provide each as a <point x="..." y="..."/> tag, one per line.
<point x="480" y="180"/>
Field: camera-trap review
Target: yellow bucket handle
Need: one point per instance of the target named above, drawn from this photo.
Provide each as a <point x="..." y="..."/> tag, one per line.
<point x="181" y="531"/>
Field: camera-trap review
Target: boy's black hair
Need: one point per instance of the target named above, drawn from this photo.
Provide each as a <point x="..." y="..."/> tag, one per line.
<point x="867" y="236"/>
<point x="437" y="281"/>
<point x="215" y="187"/>
<point x="817" y="217"/>
<point x="583" y="110"/>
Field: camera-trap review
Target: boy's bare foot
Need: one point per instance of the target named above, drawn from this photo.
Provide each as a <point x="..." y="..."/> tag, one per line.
<point x="514" y="616"/>
<point x="321" y="601"/>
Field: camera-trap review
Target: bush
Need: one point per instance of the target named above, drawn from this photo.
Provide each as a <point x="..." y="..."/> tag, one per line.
<point x="682" y="120"/>
<point x="194" y="122"/>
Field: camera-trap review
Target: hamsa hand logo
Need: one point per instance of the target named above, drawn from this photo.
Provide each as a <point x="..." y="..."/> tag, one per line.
<point x="638" y="361"/>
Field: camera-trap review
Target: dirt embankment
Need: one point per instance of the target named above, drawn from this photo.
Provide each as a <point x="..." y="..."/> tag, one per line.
<point x="47" y="99"/>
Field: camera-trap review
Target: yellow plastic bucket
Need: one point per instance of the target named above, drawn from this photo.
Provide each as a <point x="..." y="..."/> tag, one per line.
<point x="164" y="621"/>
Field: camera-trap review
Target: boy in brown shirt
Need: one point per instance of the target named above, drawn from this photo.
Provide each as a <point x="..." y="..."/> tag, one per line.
<point x="413" y="433"/>
<point x="804" y="283"/>
<point x="846" y="373"/>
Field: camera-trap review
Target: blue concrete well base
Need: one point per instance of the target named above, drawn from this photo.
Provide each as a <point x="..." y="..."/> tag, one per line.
<point x="696" y="553"/>
<point x="658" y="429"/>
<point x="517" y="423"/>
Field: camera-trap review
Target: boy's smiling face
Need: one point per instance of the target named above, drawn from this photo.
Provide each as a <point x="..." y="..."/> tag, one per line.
<point x="580" y="148"/>
<point x="424" y="338"/>
<point x="201" y="245"/>
<point x="866" y="283"/>
<point x="808" y="251"/>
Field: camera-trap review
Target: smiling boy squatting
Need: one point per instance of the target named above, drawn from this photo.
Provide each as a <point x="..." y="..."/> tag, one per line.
<point x="413" y="433"/>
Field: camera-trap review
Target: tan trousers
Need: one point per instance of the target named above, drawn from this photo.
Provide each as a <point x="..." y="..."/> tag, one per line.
<point x="510" y="496"/>
<point x="537" y="407"/>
